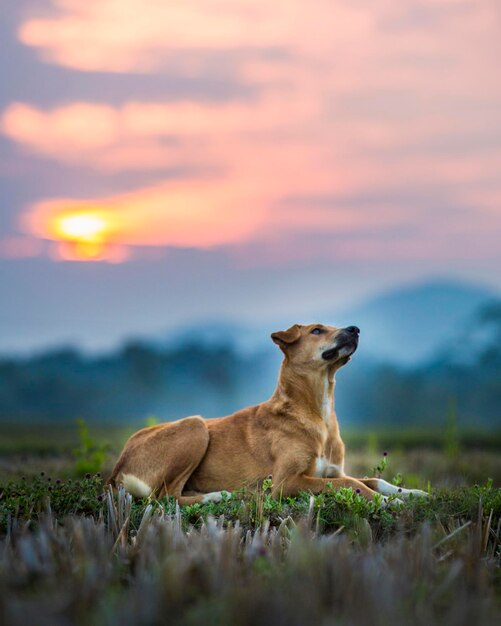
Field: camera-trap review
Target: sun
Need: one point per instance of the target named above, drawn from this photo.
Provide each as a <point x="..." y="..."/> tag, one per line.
<point x="84" y="227"/>
<point x="83" y="235"/>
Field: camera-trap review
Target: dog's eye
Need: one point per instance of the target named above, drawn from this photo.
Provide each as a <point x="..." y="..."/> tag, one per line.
<point x="317" y="331"/>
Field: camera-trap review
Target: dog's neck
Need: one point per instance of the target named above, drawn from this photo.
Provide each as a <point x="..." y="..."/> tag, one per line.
<point x="310" y="392"/>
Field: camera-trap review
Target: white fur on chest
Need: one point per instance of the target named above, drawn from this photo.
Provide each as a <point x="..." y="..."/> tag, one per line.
<point x="326" y="406"/>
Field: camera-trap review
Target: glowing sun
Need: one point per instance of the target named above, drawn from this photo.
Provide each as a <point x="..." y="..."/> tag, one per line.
<point x="86" y="234"/>
<point x="83" y="227"/>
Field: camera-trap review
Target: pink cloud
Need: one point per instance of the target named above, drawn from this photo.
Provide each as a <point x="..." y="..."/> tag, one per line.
<point x="80" y="127"/>
<point x="20" y="247"/>
<point x="340" y="40"/>
<point x="146" y="135"/>
<point x="131" y="35"/>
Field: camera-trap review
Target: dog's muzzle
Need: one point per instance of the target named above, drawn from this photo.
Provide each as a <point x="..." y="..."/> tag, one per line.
<point x="346" y="344"/>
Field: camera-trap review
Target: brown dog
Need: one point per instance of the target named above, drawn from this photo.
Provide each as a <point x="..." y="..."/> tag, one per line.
<point x="294" y="436"/>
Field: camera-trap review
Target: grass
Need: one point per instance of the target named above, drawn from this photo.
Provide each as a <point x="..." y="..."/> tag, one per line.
<point x="28" y="502"/>
<point x="71" y="552"/>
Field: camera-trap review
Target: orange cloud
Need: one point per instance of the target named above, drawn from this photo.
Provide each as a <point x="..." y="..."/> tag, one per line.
<point x="203" y="215"/>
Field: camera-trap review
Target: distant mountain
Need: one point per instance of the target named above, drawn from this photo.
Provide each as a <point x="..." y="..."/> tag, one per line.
<point x="403" y="326"/>
<point x="410" y="324"/>
<point x="478" y="341"/>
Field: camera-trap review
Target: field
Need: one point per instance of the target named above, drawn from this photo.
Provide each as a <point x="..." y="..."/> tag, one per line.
<point x="73" y="553"/>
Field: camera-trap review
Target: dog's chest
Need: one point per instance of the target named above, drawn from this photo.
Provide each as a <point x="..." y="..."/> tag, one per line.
<point x="318" y="431"/>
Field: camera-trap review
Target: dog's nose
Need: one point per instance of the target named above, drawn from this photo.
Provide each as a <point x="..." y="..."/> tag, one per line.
<point x="353" y="330"/>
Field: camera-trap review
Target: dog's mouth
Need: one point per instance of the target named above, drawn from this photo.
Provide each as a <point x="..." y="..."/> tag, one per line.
<point x="342" y="350"/>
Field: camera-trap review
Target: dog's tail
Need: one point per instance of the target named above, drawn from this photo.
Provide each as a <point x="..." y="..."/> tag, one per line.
<point x="136" y="486"/>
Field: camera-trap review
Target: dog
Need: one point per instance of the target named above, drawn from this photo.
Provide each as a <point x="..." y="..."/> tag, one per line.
<point x="294" y="436"/>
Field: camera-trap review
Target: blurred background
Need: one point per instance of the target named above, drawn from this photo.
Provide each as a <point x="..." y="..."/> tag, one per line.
<point x="179" y="181"/>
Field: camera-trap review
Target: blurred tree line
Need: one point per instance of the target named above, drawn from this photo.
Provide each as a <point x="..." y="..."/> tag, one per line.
<point x="142" y="379"/>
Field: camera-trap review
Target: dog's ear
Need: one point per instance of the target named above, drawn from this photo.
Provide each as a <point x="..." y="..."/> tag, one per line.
<point x="284" y="338"/>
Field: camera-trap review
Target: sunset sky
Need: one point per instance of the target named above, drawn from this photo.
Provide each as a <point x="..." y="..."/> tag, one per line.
<point x="167" y="162"/>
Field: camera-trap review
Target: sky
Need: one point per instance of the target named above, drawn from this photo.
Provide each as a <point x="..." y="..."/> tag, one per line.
<point x="166" y="163"/>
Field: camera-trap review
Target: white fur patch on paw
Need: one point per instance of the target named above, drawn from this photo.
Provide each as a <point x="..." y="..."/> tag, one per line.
<point x="388" y="489"/>
<point x="393" y="502"/>
<point x="215" y="496"/>
<point x="136" y="486"/>
<point x="416" y="493"/>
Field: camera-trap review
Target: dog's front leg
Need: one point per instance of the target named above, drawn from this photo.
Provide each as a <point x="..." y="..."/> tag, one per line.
<point x="293" y="485"/>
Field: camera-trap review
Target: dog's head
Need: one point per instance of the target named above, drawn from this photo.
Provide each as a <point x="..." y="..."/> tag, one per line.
<point x="317" y="345"/>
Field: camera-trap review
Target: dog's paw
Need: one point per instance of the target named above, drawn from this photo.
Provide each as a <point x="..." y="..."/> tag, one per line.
<point x="412" y="493"/>
<point x="389" y="502"/>
<point x="215" y="496"/>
